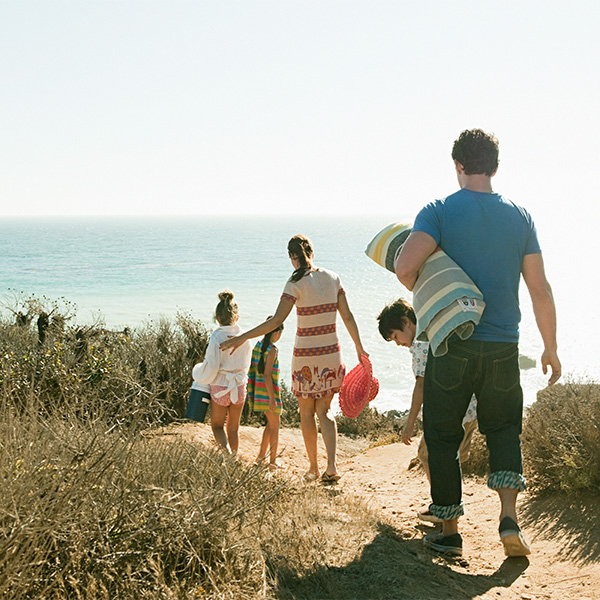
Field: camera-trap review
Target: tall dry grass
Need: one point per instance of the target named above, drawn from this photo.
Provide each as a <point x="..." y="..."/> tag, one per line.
<point x="561" y="438"/>
<point x="94" y="510"/>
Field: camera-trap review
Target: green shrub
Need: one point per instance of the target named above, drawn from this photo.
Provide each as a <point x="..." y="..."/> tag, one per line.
<point x="561" y="438"/>
<point x="118" y="372"/>
<point x="290" y="416"/>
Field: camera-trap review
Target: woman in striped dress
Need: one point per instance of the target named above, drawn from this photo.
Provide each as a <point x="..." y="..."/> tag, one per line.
<point x="317" y="366"/>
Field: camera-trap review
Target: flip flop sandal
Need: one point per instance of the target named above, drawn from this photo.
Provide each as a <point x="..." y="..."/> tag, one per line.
<point x="427" y="515"/>
<point x="326" y="478"/>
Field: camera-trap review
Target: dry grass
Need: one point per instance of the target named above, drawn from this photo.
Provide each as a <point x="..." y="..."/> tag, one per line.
<point x="96" y="507"/>
<point x="561" y="438"/>
<point x="97" y="511"/>
<point x="92" y="510"/>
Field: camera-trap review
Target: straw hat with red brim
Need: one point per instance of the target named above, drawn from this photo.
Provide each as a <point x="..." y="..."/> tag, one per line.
<point x="358" y="389"/>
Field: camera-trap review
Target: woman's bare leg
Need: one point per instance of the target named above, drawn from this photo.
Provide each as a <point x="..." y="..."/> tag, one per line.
<point x="328" y="431"/>
<point x="308" y="424"/>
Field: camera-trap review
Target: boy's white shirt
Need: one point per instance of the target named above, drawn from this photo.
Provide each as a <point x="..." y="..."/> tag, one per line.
<point x="222" y="368"/>
<point x="419" y="351"/>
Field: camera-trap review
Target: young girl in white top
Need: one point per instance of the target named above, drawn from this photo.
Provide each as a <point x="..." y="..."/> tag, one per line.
<point x="226" y="374"/>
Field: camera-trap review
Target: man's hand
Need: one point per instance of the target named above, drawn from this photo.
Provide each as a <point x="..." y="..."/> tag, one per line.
<point x="550" y="359"/>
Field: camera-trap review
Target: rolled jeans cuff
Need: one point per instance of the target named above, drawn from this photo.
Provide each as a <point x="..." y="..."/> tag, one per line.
<point x="508" y="480"/>
<point x="452" y="511"/>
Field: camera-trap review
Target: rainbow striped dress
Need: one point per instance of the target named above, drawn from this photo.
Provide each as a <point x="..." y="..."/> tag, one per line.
<point x="317" y="366"/>
<point x="256" y="390"/>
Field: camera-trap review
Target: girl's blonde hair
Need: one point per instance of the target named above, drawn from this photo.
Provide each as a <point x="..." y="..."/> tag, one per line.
<point x="227" y="310"/>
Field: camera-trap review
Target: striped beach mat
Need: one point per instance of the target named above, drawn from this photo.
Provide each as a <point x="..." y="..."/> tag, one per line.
<point x="386" y="245"/>
<point x="446" y="301"/>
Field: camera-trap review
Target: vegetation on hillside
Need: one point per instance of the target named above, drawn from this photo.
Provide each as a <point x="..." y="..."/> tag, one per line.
<point x="95" y="505"/>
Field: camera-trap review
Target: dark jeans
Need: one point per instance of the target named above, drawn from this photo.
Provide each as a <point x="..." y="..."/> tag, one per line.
<point x="490" y="370"/>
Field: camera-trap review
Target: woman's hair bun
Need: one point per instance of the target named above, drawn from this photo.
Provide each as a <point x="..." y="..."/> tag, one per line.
<point x="226" y="296"/>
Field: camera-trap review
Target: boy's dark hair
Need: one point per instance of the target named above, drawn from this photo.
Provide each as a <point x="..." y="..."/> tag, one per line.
<point x="394" y="316"/>
<point x="477" y="151"/>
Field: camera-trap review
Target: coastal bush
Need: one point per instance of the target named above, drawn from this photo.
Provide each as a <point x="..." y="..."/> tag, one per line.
<point x="561" y="438"/>
<point x="373" y="424"/>
<point x="98" y="503"/>
<point x="117" y="373"/>
<point x="290" y="416"/>
<point x="478" y="461"/>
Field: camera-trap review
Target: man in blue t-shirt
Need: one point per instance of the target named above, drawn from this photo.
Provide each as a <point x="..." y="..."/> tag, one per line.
<point x="494" y="241"/>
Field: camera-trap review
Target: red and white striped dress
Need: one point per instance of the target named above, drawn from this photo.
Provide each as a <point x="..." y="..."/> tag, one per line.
<point x="317" y="366"/>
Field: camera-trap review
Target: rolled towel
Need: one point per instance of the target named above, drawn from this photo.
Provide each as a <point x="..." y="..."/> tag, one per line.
<point x="445" y="301"/>
<point x="386" y="245"/>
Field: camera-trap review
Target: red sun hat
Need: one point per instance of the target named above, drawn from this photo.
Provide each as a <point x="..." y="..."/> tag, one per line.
<point x="358" y="388"/>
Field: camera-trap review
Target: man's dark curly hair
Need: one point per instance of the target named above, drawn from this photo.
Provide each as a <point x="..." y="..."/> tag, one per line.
<point x="477" y="152"/>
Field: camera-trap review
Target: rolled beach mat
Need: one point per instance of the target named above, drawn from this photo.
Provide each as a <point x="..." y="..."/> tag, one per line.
<point x="386" y="245"/>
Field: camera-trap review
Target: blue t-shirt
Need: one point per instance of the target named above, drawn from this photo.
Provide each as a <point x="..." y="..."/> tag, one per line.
<point x="487" y="236"/>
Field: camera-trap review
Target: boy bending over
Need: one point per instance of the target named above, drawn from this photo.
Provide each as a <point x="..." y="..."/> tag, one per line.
<point x="398" y="323"/>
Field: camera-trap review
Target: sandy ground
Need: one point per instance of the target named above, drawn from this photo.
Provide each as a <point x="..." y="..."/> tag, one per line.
<point x="564" y="533"/>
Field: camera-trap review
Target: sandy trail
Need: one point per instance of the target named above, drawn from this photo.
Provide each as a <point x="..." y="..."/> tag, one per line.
<point x="564" y="533"/>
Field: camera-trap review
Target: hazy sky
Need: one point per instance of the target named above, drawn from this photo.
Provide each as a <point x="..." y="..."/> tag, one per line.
<point x="287" y="106"/>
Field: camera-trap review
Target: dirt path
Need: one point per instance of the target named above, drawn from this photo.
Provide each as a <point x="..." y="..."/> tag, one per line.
<point x="564" y="534"/>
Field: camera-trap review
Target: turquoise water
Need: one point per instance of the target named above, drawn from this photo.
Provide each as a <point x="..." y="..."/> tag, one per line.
<point x="132" y="270"/>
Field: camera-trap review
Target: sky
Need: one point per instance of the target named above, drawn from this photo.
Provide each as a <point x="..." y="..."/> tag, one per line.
<point x="285" y="107"/>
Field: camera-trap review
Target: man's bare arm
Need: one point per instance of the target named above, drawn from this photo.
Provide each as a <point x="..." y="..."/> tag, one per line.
<point x="544" y="311"/>
<point x="415" y="251"/>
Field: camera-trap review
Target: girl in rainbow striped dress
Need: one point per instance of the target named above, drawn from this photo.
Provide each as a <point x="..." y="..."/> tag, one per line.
<point x="263" y="393"/>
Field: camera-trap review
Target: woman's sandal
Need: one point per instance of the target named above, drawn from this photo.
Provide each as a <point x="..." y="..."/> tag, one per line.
<point x="327" y="478"/>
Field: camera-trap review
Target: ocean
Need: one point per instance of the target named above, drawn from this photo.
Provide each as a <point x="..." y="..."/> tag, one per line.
<point x="131" y="271"/>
